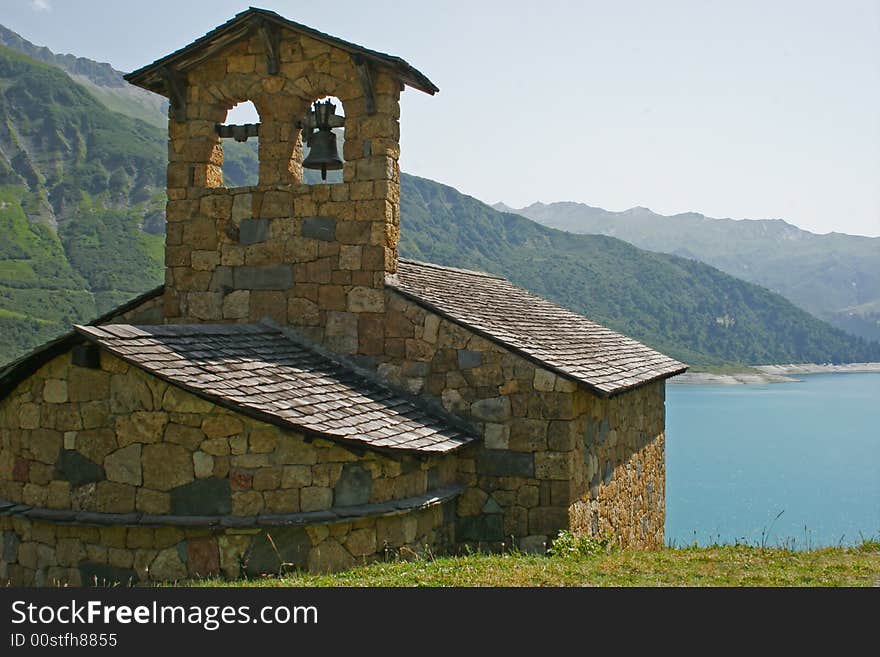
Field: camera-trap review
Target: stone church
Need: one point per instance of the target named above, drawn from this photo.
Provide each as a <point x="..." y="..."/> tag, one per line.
<point x="296" y="395"/>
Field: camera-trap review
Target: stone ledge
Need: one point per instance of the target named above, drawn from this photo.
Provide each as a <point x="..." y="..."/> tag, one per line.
<point x="328" y="516"/>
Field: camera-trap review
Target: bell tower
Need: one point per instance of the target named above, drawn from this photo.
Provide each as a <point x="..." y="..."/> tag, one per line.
<point x="310" y="256"/>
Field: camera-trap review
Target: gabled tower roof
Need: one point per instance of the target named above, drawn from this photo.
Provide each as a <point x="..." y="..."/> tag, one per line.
<point x="151" y="77"/>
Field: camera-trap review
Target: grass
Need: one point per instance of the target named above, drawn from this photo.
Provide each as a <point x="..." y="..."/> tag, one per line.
<point x="727" y="565"/>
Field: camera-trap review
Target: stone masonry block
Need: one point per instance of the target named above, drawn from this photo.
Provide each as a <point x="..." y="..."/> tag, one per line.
<point x="319" y="228"/>
<point x="355" y="486"/>
<point x="501" y="463"/>
<point x="211" y="496"/>
<point x="272" y="277"/>
<point x="253" y="231"/>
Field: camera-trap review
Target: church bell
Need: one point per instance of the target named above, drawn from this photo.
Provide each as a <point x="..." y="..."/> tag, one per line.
<point x="323" y="153"/>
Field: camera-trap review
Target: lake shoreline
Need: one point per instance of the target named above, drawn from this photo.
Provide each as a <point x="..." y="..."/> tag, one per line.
<point x="764" y="374"/>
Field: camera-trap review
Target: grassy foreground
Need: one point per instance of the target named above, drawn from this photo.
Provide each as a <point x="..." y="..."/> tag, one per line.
<point x="712" y="566"/>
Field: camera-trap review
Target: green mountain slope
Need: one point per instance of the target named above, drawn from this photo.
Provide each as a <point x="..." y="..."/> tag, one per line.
<point x="683" y="307"/>
<point x="101" y="80"/>
<point x="835" y="276"/>
<point x="82" y="203"/>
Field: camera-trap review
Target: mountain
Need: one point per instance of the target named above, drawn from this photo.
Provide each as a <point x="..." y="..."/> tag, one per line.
<point x="82" y="213"/>
<point x="81" y="207"/>
<point x="102" y="80"/>
<point x="82" y="203"/>
<point x="683" y="307"/>
<point x="835" y="277"/>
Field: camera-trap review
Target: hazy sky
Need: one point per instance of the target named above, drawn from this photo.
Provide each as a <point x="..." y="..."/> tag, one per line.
<point x="735" y="109"/>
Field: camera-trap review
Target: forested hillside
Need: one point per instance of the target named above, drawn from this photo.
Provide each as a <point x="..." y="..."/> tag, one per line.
<point x="690" y="310"/>
<point x="835" y="276"/>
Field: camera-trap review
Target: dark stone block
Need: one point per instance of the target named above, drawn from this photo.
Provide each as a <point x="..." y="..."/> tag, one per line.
<point x="10" y="546"/>
<point x="589" y="439"/>
<point x="548" y="520"/>
<point x="609" y="473"/>
<point x="355" y="486"/>
<point x="319" y="228"/>
<point x="288" y="549"/>
<point x="203" y="497"/>
<point x="468" y="359"/>
<point x="100" y="575"/>
<point x="222" y="279"/>
<point x="503" y="463"/>
<point x="604" y="430"/>
<point x="86" y="355"/>
<point x="491" y="506"/>
<point x="594" y="485"/>
<point x="488" y="528"/>
<point x="270" y="277"/>
<point x="590" y="433"/>
<point x="415" y="369"/>
<point x="433" y="478"/>
<point x="253" y="231"/>
<point x="77" y="469"/>
<point x="449" y="512"/>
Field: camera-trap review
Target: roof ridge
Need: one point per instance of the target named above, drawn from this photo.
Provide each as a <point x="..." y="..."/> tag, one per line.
<point x="407" y="73"/>
<point x="472" y="272"/>
<point x="536" y="328"/>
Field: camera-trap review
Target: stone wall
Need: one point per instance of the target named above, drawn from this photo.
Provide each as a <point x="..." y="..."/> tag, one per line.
<point x="308" y="256"/>
<point x="118" y="441"/>
<point x="619" y="482"/>
<point x="554" y="455"/>
<point x="36" y="553"/>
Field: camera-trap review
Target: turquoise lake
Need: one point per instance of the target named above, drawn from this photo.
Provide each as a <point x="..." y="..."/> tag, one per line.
<point x="737" y="456"/>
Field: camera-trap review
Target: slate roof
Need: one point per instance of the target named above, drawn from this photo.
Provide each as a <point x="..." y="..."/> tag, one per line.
<point x="150" y="77"/>
<point x="257" y="370"/>
<point x="537" y="329"/>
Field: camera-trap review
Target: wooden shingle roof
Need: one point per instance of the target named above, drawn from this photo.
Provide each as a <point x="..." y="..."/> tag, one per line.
<point x="555" y="338"/>
<point x="151" y="76"/>
<point x="259" y="371"/>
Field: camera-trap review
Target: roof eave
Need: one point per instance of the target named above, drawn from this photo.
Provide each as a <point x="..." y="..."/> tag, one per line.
<point x="150" y="77"/>
<point x="660" y="377"/>
<point x="390" y="284"/>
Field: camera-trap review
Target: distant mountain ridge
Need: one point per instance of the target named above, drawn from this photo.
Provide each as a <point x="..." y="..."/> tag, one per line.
<point x="836" y="276"/>
<point x="104" y="81"/>
<point x="683" y="307"/>
<point x="82" y="214"/>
